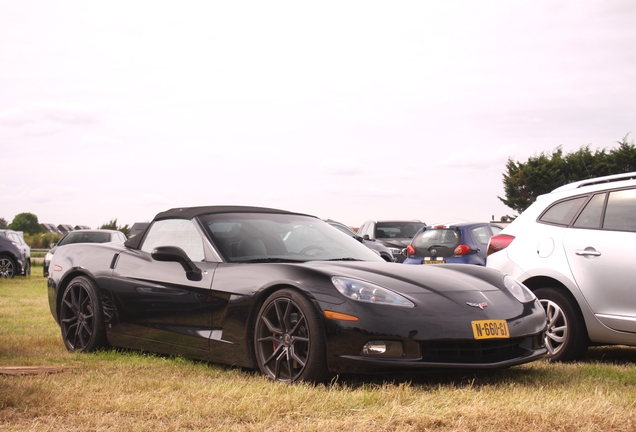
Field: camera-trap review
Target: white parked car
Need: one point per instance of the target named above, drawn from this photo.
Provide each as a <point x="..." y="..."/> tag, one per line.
<point x="575" y="248"/>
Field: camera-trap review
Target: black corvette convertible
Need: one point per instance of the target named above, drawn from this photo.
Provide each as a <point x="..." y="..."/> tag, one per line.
<point x="288" y="294"/>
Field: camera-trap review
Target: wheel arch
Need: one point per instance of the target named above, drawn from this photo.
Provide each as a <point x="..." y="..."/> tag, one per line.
<point x="258" y="302"/>
<point x="64" y="282"/>
<point x="386" y="257"/>
<point x="536" y="282"/>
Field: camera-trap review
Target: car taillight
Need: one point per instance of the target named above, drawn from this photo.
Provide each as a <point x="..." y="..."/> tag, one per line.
<point x="410" y="250"/>
<point x="499" y="242"/>
<point x="462" y="249"/>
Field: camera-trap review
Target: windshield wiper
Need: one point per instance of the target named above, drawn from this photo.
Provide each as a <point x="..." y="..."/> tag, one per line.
<point x="344" y="259"/>
<point x="272" y="260"/>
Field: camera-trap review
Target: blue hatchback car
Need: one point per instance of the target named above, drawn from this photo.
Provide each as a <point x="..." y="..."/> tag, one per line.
<point x="457" y="243"/>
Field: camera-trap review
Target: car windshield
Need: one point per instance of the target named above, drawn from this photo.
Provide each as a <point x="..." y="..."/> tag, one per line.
<point x="85" y="237"/>
<point x="397" y="229"/>
<point x="262" y="237"/>
<point x="343" y="228"/>
<point x="438" y="238"/>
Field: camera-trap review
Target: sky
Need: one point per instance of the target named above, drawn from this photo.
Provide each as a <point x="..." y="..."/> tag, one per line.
<point x="348" y="110"/>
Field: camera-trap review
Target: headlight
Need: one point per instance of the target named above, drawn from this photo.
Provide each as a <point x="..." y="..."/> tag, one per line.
<point x="48" y="257"/>
<point x="367" y="292"/>
<point x="396" y="251"/>
<point x="519" y="290"/>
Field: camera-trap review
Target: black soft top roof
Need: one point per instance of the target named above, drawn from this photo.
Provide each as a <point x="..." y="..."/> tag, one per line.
<point x="192" y="212"/>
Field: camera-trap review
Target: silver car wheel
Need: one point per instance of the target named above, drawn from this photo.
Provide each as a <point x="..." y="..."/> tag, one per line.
<point x="7" y="268"/>
<point x="557" y="333"/>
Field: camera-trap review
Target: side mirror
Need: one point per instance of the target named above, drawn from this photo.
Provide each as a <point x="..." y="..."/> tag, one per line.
<point x="357" y="237"/>
<point x="176" y="254"/>
<point x="366" y="237"/>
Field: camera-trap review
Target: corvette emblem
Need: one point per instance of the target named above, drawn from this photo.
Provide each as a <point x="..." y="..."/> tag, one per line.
<point x="477" y="305"/>
<point x="433" y="252"/>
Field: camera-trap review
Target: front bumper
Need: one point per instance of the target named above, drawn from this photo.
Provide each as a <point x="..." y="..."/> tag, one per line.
<point x="439" y="336"/>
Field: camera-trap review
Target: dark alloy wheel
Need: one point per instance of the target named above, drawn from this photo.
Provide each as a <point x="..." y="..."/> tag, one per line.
<point x="289" y="339"/>
<point x="82" y="316"/>
<point x="566" y="336"/>
<point x="7" y="267"/>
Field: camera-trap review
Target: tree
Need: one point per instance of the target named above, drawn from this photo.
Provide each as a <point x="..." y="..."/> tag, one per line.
<point x="26" y="222"/>
<point x="112" y="225"/>
<point x="3" y="224"/>
<point x="525" y="181"/>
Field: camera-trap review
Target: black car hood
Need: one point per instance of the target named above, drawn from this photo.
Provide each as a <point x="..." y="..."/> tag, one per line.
<point x="414" y="279"/>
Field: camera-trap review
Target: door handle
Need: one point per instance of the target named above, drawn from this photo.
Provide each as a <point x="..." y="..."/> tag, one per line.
<point x="587" y="252"/>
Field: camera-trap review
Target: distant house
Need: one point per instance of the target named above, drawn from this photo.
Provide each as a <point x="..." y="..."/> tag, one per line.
<point x="64" y="228"/>
<point x="50" y="228"/>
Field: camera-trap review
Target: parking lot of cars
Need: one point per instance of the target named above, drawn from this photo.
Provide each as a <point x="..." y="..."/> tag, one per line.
<point x="395" y="234"/>
<point x="572" y="249"/>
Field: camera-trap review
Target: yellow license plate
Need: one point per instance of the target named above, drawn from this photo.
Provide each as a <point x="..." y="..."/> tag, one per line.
<point x="434" y="262"/>
<point x="490" y="329"/>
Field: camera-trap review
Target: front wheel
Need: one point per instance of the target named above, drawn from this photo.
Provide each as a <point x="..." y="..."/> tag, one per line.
<point x="566" y="336"/>
<point x="82" y="316"/>
<point x="289" y="339"/>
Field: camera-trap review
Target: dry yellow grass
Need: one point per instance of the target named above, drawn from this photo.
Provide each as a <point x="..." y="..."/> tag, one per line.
<point x="122" y="391"/>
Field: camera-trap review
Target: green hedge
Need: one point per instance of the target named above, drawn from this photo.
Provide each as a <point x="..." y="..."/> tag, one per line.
<point x="42" y="240"/>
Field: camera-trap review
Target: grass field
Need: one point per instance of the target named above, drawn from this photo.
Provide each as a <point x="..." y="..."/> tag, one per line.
<point x="125" y="391"/>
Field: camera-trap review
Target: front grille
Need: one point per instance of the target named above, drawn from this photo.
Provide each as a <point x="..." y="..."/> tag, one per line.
<point x="477" y="352"/>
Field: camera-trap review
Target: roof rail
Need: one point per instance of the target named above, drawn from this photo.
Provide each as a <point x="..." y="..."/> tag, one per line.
<point x="596" y="181"/>
<point x="608" y="179"/>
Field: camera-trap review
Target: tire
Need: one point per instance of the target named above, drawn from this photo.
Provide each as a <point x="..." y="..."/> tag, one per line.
<point x="27" y="269"/>
<point x="7" y="267"/>
<point x="566" y="337"/>
<point x="82" y="316"/>
<point x="289" y="339"/>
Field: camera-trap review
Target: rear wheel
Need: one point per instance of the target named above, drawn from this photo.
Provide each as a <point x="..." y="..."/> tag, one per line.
<point x="82" y="316"/>
<point x="27" y="270"/>
<point x="566" y="336"/>
<point x="289" y="339"/>
<point x="7" y="267"/>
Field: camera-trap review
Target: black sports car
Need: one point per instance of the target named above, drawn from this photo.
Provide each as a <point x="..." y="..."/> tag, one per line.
<point x="288" y="294"/>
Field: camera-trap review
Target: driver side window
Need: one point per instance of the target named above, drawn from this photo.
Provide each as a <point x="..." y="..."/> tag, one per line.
<point x="175" y="232"/>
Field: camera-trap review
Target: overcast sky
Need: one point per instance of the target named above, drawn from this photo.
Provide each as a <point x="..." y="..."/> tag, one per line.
<point x="345" y="110"/>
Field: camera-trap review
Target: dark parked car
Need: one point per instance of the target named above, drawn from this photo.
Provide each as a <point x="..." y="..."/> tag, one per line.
<point x="287" y="294"/>
<point x="457" y="243"/>
<point x="83" y="236"/>
<point x="396" y="235"/>
<point x="15" y="254"/>
<point x="382" y="250"/>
